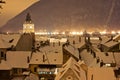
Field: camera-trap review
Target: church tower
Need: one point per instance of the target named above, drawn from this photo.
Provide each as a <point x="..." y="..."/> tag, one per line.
<point x="28" y="26"/>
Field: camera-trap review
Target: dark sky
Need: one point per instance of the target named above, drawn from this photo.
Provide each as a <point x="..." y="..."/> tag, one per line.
<point x="70" y="15"/>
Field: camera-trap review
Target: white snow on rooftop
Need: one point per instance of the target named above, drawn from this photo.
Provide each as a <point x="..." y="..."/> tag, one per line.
<point x="73" y="51"/>
<point x="47" y="58"/>
<point x="97" y="73"/>
<point x="18" y="59"/>
<point x="73" y="65"/>
<point x="4" y="65"/>
<point x="6" y="38"/>
<point x="111" y="43"/>
<point x="4" y="44"/>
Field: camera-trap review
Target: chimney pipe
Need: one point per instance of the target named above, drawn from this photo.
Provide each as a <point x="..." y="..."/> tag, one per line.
<point x="43" y="58"/>
<point x="28" y="59"/>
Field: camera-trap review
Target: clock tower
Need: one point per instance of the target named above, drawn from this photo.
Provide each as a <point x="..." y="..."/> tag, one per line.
<point x="28" y="26"/>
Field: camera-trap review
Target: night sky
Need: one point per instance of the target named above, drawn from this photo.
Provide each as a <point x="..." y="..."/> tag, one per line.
<point x="66" y="15"/>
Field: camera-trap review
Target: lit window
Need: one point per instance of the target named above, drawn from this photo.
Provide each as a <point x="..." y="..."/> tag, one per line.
<point x="30" y="26"/>
<point x="108" y="65"/>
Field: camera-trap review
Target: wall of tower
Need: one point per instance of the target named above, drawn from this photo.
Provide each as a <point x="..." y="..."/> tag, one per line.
<point x="28" y="28"/>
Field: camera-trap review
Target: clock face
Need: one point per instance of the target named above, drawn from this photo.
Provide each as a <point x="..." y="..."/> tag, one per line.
<point x="30" y="26"/>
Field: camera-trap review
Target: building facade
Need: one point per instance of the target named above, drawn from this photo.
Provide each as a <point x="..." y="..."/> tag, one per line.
<point x="28" y="26"/>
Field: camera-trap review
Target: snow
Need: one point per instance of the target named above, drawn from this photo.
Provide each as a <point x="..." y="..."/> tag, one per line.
<point x="18" y="59"/>
<point x="4" y="65"/>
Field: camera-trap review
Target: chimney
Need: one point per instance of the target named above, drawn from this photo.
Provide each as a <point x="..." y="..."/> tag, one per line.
<point x="43" y="58"/>
<point x="28" y="59"/>
<point x="5" y="57"/>
<point x="88" y="39"/>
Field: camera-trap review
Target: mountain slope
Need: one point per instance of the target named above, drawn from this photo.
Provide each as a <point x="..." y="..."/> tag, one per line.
<point x="67" y="15"/>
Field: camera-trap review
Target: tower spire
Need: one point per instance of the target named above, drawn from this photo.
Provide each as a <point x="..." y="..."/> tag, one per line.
<point x="28" y="17"/>
<point x="28" y="26"/>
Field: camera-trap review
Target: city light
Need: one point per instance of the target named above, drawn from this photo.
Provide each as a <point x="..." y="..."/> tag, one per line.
<point x="76" y="33"/>
<point x="113" y="32"/>
<point x="103" y="32"/>
<point x="118" y="32"/>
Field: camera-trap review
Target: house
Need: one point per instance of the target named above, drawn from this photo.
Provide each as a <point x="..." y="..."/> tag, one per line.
<point x="111" y="46"/>
<point x="71" y="70"/>
<point x="5" y="70"/>
<point x="18" y="61"/>
<point x="45" y="64"/>
<point x="10" y="39"/>
<point x="69" y="51"/>
<point x="4" y="45"/>
<point x="117" y="38"/>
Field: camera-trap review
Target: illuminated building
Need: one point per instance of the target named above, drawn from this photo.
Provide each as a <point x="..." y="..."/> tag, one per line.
<point x="28" y="26"/>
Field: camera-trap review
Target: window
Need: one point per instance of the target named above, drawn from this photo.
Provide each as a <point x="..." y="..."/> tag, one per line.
<point x="30" y="26"/>
<point x="35" y="69"/>
<point x="15" y="71"/>
<point x="69" y="78"/>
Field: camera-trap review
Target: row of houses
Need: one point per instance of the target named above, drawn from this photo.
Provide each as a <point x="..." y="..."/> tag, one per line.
<point x="79" y="58"/>
<point x="99" y="54"/>
<point x="21" y="55"/>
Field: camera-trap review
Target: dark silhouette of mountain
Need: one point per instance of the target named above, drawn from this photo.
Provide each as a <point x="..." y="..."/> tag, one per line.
<point x="67" y="14"/>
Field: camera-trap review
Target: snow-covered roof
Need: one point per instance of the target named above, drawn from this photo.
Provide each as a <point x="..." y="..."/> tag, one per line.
<point x="4" y="65"/>
<point x="87" y="57"/>
<point x="80" y="44"/>
<point x="104" y="39"/>
<point x="47" y="58"/>
<point x="18" y="59"/>
<point x="117" y="37"/>
<point x="116" y="57"/>
<point x="52" y="49"/>
<point x="73" y="65"/>
<point x="111" y="43"/>
<point x="97" y="73"/>
<point x="91" y="61"/>
<point x="72" y="50"/>
<point x="7" y="38"/>
<point x="106" y="59"/>
<point x="4" y="44"/>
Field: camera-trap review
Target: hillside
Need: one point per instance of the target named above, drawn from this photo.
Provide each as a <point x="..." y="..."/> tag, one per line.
<point x="67" y="15"/>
